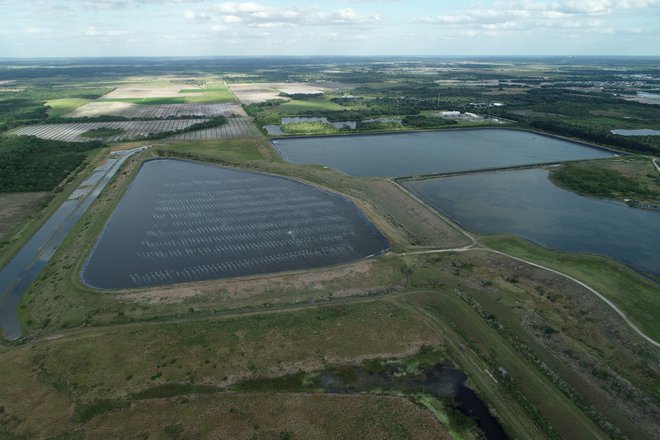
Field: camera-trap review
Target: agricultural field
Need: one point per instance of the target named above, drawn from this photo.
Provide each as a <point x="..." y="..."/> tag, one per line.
<point x="254" y="93"/>
<point x="74" y="132"/>
<point x="171" y="92"/>
<point x="139" y="91"/>
<point x="164" y="111"/>
<point x="235" y="128"/>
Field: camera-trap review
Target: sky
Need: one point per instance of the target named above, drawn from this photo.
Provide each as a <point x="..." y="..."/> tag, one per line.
<point x="82" y="28"/>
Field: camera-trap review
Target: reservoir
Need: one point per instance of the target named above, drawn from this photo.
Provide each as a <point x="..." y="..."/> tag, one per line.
<point x="406" y="154"/>
<point x="182" y="221"/>
<point x="526" y="203"/>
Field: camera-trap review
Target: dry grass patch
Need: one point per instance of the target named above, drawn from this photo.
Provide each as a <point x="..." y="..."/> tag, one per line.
<point x="270" y="416"/>
<point x="15" y="207"/>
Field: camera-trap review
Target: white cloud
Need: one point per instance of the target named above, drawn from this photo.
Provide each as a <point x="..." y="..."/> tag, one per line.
<point x="528" y="14"/>
<point x="263" y="16"/>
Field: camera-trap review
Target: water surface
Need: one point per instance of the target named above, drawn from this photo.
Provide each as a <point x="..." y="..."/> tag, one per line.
<point x="406" y="154"/>
<point x="182" y="221"/>
<point x="526" y="203"/>
<point x="21" y="271"/>
<point x="637" y="132"/>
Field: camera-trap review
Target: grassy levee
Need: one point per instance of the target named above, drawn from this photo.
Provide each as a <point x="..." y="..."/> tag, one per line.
<point x="551" y="327"/>
<point x="636" y="295"/>
<point x="231" y="150"/>
<point x="16" y="237"/>
<point x="472" y="346"/>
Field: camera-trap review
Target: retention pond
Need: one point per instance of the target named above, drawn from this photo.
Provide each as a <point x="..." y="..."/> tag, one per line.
<point x="406" y="154"/>
<point x="182" y="221"/>
<point x="526" y="203"/>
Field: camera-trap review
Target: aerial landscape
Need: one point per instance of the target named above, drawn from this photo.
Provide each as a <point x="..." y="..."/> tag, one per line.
<point x="350" y="219"/>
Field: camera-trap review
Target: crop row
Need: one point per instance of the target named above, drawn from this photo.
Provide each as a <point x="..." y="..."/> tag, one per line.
<point x="136" y="111"/>
<point x="234" y="128"/>
<point x="131" y="129"/>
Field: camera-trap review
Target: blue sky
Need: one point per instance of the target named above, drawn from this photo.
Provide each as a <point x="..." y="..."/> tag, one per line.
<point x="69" y="28"/>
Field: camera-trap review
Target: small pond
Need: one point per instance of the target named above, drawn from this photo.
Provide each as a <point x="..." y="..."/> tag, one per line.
<point x="637" y="132"/>
<point x="182" y="221"/>
<point x="445" y="151"/>
<point x="526" y="203"/>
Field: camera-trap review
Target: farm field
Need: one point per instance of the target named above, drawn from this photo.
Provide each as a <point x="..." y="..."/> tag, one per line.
<point x="235" y="128"/>
<point x="172" y="91"/>
<point x="253" y="93"/>
<point x="136" y="111"/>
<point x="140" y="91"/>
<point x="131" y="129"/>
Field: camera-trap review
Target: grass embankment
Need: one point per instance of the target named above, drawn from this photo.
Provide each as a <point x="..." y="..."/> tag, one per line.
<point x="542" y="337"/>
<point x="637" y="296"/>
<point x="232" y="150"/>
<point x="630" y="177"/>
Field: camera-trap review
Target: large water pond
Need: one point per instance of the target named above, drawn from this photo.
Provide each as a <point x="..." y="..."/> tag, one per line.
<point x="432" y="152"/>
<point x="182" y="221"/>
<point x="526" y="203"/>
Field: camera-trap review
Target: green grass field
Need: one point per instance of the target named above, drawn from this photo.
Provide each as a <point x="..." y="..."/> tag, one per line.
<point x="60" y="107"/>
<point x="147" y="101"/>
<point x="299" y="106"/>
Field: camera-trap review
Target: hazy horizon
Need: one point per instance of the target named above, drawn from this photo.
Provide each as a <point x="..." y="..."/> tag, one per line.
<point x="204" y="28"/>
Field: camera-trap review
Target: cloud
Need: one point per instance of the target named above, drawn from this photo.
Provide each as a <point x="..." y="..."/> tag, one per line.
<point x="529" y="14"/>
<point x="262" y="16"/>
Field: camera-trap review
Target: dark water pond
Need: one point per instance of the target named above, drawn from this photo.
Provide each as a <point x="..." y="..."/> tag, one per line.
<point x="526" y="203"/>
<point x="182" y="221"/>
<point x="406" y="154"/>
<point x="438" y="380"/>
